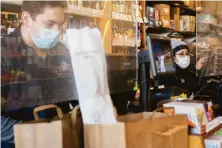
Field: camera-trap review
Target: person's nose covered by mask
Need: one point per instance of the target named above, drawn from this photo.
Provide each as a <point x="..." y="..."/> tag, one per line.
<point x="180" y="53"/>
<point x="42" y="37"/>
<point x="183" y="62"/>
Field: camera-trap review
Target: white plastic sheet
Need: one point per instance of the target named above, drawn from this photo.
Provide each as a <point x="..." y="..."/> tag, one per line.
<point x="90" y="73"/>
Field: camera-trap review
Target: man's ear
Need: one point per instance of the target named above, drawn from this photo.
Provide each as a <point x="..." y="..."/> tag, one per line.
<point x="26" y="19"/>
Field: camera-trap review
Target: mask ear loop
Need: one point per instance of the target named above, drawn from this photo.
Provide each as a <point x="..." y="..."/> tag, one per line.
<point x="31" y="32"/>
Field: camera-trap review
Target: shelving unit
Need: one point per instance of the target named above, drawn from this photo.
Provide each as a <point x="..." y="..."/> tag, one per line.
<point x="184" y="10"/>
<point x="81" y="11"/>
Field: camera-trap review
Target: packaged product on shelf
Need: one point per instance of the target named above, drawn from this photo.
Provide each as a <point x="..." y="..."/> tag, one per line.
<point x="163" y="9"/>
<point x="203" y="28"/>
<point x="188" y="23"/>
<point x="165" y="21"/>
<point x="164" y="13"/>
<point x="156" y="14"/>
<point x="175" y="16"/>
<point x="74" y="2"/>
<point x="150" y="13"/>
<point x="172" y="24"/>
<point x="206" y="18"/>
<point x="190" y="4"/>
<point x="209" y="7"/>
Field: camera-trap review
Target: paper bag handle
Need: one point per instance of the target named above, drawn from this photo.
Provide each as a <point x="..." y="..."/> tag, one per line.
<point x="161" y="109"/>
<point x="45" y="107"/>
<point x="74" y="113"/>
<point x="76" y="108"/>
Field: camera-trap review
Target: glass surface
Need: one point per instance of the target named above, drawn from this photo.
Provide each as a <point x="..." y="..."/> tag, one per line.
<point x="163" y="56"/>
<point x="29" y="80"/>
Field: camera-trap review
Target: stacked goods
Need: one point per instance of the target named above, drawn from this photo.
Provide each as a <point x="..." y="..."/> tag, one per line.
<point x="218" y="61"/>
<point x="206" y="18"/>
<point x="196" y="112"/>
<point x="175" y="16"/>
<point x="219" y="13"/>
<point x="164" y="11"/>
<point x="210" y="48"/>
<point x="190" y="4"/>
<point x="153" y="17"/>
<point x="209" y="7"/>
<point x="187" y="23"/>
<point x="203" y="21"/>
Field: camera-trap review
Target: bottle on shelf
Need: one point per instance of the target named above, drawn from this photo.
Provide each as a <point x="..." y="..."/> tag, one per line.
<point x="3" y="25"/>
<point x="85" y="4"/>
<point x="74" y="2"/>
<point x="80" y="3"/>
<point x="121" y="7"/>
<point x="97" y="5"/>
<point x="90" y="4"/>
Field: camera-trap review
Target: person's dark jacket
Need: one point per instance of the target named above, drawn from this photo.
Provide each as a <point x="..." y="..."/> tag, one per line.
<point x="186" y="79"/>
<point x="42" y="81"/>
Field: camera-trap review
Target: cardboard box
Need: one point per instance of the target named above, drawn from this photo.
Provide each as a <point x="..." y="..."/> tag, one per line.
<point x="195" y="112"/>
<point x="219" y="8"/>
<point x="163" y="9"/>
<point x="209" y="7"/>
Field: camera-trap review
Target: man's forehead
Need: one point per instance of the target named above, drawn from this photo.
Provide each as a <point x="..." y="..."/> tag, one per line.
<point x="55" y="14"/>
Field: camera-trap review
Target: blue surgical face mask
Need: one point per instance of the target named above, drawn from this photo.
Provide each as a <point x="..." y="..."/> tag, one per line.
<point x="47" y="38"/>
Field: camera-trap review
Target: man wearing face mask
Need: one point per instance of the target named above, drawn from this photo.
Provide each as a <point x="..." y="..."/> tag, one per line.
<point x="36" y="68"/>
<point x="185" y="78"/>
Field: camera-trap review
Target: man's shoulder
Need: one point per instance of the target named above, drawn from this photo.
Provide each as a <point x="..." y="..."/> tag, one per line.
<point x="60" y="49"/>
<point x="61" y="46"/>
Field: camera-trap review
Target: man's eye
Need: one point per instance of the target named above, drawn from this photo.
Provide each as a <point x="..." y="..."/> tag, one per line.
<point x="49" y="24"/>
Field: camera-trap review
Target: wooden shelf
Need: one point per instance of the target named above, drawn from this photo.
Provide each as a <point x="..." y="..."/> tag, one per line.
<point x="12" y="2"/>
<point x="122" y="42"/>
<point x="82" y="11"/>
<point x="120" y="54"/>
<point x="180" y="4"/>
<point x="157" y="30"/>
<point x="122" y="17"/>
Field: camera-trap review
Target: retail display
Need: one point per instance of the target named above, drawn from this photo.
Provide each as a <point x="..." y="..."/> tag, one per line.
<point x="187" y="23"/>
<point x="9" y="21"/>
<point x="103" y="39"/>
<point x="153" y="17"/>
<point x="87" y="4"/>
<point x="164" y="14"/>
<point x="175" y="16"/>
<point x="209" y="38"/>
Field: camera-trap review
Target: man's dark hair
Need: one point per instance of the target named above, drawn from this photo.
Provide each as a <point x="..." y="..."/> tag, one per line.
<point x="35" y="7"/>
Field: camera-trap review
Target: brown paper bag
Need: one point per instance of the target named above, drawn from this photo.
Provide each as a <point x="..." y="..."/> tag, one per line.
<point x="42" y="134"/>
<point x="104" y="136"/>
<point x="142" y="130"/>
<point x="149" y="130"/>
<point x="171" y="138"/>
<point x="98" y="135"/>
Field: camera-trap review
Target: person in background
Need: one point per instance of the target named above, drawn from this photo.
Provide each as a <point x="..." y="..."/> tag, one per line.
<point x="32" y="54"/>
<point x="185" y="78"/>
